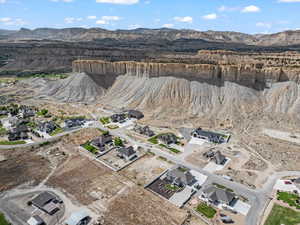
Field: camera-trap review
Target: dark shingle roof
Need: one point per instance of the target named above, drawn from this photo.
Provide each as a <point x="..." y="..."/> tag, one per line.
<point x="129" y="151"/>
<point x="42" y="199"/>
<point x="217" y="194"/>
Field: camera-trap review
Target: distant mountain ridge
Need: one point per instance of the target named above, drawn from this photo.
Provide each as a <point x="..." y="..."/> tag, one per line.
<point x="291" y="37"/>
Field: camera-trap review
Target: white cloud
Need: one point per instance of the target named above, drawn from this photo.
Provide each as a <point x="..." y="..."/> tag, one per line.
<point x="120" y="2"/>
<point x="211" y="16"/>
<point x="12" y="22"/>
<point x="2" y="1"/>
<point x="288" y="1"/>
<point x="251" y="9"/>
<point x="102" y="22"/>
<point x="110" y="18"/>
<point x="224" y="8"/>
<point x="185" y="19"/>
<point x="5" y="19"/>
<point x="134" y="26"/>
<point x="69" y="20"/>
<point x="168" y="25"/>
<point x="264" y="24"/>
<point x="91" y="17"/>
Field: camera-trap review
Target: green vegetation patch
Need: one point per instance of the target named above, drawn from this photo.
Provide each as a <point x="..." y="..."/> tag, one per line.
<point x="12" y="142"/>
<point x="90" y="148"/>
<point x="42" y="112"/>
<point x="172" y="187"/>
<point x="174" y="150"/>
<point x="105" y="120"/>
<point x="118" y="142"/>
<point x="206" y="210"/>
<point x="57" y="131"/>
<point x="282" y="215"/>
<point x="222" y="187"/>
<point x="112" y="127"/>
<point x="3" y="131"/>
<point x="289" y="198"/>
<point x="3" y="221"/>
<point x="153" y="140"/>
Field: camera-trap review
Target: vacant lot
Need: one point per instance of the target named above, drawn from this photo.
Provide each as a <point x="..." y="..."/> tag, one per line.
<point x="22" y="166"/>
<point x="138" y="206"/>
<point x="145" y="169"/>
<point x="281" y="215"/>
<point x="85" y="179"/>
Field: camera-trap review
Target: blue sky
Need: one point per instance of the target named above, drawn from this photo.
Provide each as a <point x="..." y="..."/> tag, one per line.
<point x="249" y="16"/>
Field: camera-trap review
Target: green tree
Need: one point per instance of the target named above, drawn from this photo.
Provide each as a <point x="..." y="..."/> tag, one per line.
<point x="118" y="141"/>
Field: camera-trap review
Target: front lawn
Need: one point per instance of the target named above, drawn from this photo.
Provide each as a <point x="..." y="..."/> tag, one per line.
<point x="57" y="131"/>
<point x="112" y="127"/>
<point x="12" y="142"/>
<point x="174" y="150"/>
<point x="105" y="120"/>
<point x="3" y="221"/>
<point x="153" y="140"/>
<point x="282" y="215"/>
<point x="3" y="131"/>
<point x="206" y="210"/>
<point x="289" y="198"/>
<point x="90" y="148"/>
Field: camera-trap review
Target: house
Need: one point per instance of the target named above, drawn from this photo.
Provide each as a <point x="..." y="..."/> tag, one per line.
<point x="18" y="133"/>
<point x="209" y="136"/>
<point x="219" y="158"/>
<point x="35" y="220"/>
<point x="78" y="218"/>
<point x="127" y="153"/>
<point x="101" y="141"/>
<point x="118" y="118"/>
<point x="168" y="138"/>
<point x="135" y="114"/>
<point x="218" y="196"/>
<point x="144" y="130"/>
<point x="180" y="177"/>
<point x="46" y="202"/>
<point x="75" y="122"/>
<point x="48" y="127"/>
<point x="26" y="111"/>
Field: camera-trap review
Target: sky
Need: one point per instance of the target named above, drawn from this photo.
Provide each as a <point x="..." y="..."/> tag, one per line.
<point x="247" y="16"/>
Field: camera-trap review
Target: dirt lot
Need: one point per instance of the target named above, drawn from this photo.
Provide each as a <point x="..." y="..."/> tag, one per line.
<point x="85" y="177"/>
<point x="150" y="209"/>
<point x="22" y="166"/>
<point x="81" y="137"/>
<point x="145" y="169"/>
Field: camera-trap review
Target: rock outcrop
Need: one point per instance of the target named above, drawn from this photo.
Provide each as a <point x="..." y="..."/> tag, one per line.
<point x="254" y="73"/>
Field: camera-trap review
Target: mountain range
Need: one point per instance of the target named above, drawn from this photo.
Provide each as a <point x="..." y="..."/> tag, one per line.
<point x="290" y="37"/>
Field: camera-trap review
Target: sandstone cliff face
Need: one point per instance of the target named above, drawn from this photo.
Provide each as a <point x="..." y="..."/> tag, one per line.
<point x="250" y="75"/>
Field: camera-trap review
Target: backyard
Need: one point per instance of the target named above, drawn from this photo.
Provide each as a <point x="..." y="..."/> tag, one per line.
<point x="12" y="142"/>
<point x="90" y="148"/>
<point x="206" y="210"/>
<point x="289" y="198"/>
<point x="282" y="215"/>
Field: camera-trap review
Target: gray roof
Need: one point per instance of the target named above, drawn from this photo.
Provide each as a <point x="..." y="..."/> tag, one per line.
<point x="220" y="195"/>
<point x="129" y="151"/>
<point x="42" y="199"/>
<point x="135" y="113"/>
<point x="184" y="176"/>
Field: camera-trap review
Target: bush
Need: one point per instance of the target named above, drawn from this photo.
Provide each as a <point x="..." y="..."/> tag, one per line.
<point x="105" y="120"/>
<point x="43" y="112"/>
